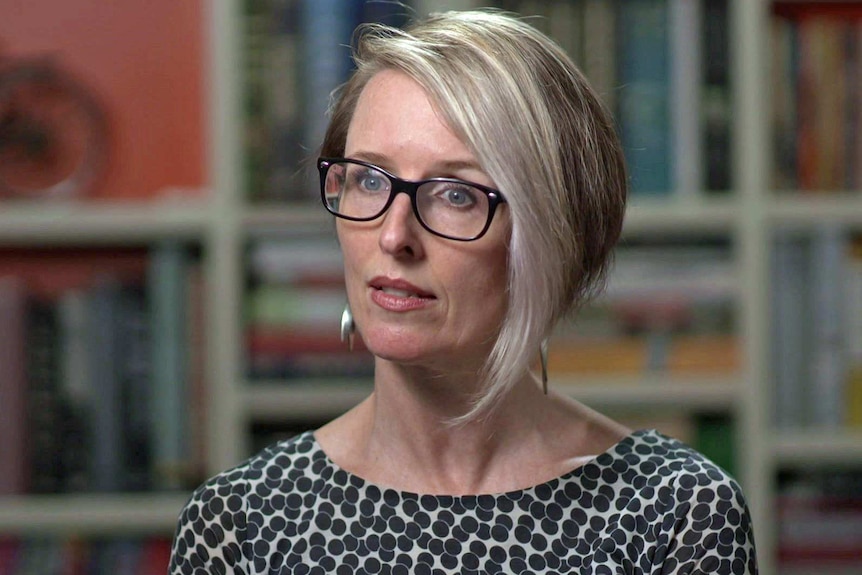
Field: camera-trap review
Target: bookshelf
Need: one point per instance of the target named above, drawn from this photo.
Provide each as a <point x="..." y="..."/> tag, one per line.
<point x="223" y="222"/>
<point x="745" y="218"/>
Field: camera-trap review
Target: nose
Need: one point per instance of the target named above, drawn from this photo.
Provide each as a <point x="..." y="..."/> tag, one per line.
<point x="400" y="235"/>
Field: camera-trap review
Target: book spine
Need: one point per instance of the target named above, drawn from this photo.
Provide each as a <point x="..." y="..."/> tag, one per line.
<point x="44" y="404"/>
<point x="599" y="57"/>
<point x="790" y="346"/>
<point x="13" y="386"/>
<point x="284" y="100"/>
<point x="566" y="26"/>
<point x="853" y="315"/>
<point x="107" y="426"/>
<point x="783" y="103"/>
<point x="686" y="48"/>
<point x="137" y="387"/>
<point x="167" y="292"/>
<point x="644" y="99"/>
<point x="716" y="102"/>
<point x="77" y="389"/>
<point x="327" y="27"/>
<point x="828" y="362"/>
<point x="256" y="134"/>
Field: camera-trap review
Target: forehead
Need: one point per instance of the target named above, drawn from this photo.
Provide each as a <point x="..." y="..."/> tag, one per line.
<point x="395" y="116"/>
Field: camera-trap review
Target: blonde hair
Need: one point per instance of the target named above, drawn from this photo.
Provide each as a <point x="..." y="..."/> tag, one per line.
<point x="543" y="136"/>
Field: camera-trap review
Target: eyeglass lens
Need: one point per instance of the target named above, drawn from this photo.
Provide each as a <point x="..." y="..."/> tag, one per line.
<point x="448" y="207"/>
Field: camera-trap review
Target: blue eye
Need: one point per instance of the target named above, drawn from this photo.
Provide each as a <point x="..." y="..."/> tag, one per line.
<point x="371" y="183"/>
<point x="459" y="197"/>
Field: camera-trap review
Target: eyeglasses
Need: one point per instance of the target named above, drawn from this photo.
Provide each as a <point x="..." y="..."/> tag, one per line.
<point x="446" y="207"/>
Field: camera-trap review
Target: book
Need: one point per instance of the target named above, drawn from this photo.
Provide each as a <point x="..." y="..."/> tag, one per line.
<point x="853" y="315"/>
<point x="327" y="27"/>
<point x="103" y="303"/>
<point x="13" y="386"/>
<point x="643" y="101"/>
<point x="685" y="100"/>
<point x="828" y="354"/>
<point x="790" y="312"/>
<point x="599" y="54"/>
<point x="816" y="130"/>
<point x="169" y="397"/>
<point x="44" y="402"/>
<point x="77" y="389"/>
<point x="284" y="113"/>
<point x="716" y="99"/>
<point x="138" y="388"/>
<point x="714" y="437"/>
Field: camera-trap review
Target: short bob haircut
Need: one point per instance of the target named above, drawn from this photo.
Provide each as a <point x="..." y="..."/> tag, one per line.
<point x="541" y="134"/>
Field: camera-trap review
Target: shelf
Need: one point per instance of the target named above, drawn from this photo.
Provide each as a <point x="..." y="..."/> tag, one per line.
<point x="804" y="448"/>
<point x="689" y="216"/>
<point x="808" y="209"/>
<point x="308" y="400"/>
<point x="91" y="514"/>
<point x="275" y="217"/>
<point x="312" y="401"/>
<point x="42" y="223"/>
<point x="660" y="391"/>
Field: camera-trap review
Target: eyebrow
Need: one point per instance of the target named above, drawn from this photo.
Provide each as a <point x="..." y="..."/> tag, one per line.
<point x="445" y="166"/>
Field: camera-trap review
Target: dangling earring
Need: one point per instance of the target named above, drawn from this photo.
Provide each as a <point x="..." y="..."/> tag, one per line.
<point x="543" y="354"/>
<point x="348" y="327"/>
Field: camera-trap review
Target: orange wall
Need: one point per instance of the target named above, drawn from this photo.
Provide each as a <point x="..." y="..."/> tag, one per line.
<point x="145" y="60"/>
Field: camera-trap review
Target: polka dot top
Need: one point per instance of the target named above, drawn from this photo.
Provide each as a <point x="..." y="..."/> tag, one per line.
<point x="648" y="505"/>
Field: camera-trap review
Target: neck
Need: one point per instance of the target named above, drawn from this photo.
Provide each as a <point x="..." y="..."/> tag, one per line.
<point x="410" y="430"/>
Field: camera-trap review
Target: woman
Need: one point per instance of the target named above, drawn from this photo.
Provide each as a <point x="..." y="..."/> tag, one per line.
<point x="513" y="196"/>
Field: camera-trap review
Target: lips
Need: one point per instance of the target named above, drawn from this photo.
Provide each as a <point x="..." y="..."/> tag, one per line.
<point x="399" y="295"/>
<point x="399" y="288"/>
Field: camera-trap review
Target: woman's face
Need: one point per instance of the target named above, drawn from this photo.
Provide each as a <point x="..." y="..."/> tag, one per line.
<point x="418" y="298"/>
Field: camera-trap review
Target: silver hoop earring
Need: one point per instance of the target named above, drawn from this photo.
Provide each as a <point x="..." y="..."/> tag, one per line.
<point x="348" y="327"/>
<point x="543" y="354"/>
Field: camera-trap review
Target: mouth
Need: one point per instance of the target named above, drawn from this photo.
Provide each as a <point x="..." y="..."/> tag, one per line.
<point x="399" y="289"/>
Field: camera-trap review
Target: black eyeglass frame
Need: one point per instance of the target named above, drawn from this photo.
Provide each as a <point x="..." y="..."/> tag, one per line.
<point x="409" y="187"/>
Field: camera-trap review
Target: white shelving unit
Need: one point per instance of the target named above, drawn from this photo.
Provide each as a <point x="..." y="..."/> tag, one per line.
<point x="222" y="224"/>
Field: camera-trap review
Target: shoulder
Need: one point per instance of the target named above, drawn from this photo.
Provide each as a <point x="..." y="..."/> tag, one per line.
<point x="699" y="511"/>
<point x="668" y="469"/>
<point x="212" y="529"/>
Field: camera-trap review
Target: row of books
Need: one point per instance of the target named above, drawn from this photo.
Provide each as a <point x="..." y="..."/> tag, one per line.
<point x="817" y="328"/>
<point x="666" y="309"/>
<point x="820" y="523"/>
<point x="101" y="370"/>
<point x="26" y="556"/>
<point x="661" y="65"/>
<point x="293" y="305"/>
<point x="295" y="53"/>
<point x="815" y="95"/>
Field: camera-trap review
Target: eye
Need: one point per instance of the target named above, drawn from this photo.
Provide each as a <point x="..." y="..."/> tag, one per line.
<point x="371" y="181"/>
<point x="458" y="196"/>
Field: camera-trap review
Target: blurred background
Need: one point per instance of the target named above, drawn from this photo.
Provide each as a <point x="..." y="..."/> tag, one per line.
<point x="170" y="287"/>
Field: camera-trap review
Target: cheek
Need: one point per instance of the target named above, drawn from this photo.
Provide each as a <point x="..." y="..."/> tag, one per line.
<point x="352" y="254"/>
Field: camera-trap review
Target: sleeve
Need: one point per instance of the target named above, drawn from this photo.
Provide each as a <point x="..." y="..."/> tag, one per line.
<point x="707" y="525"/>
<point x="211" y="531"/>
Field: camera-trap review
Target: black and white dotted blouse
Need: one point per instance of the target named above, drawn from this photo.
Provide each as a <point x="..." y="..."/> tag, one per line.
<point x="648" y="505"/>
